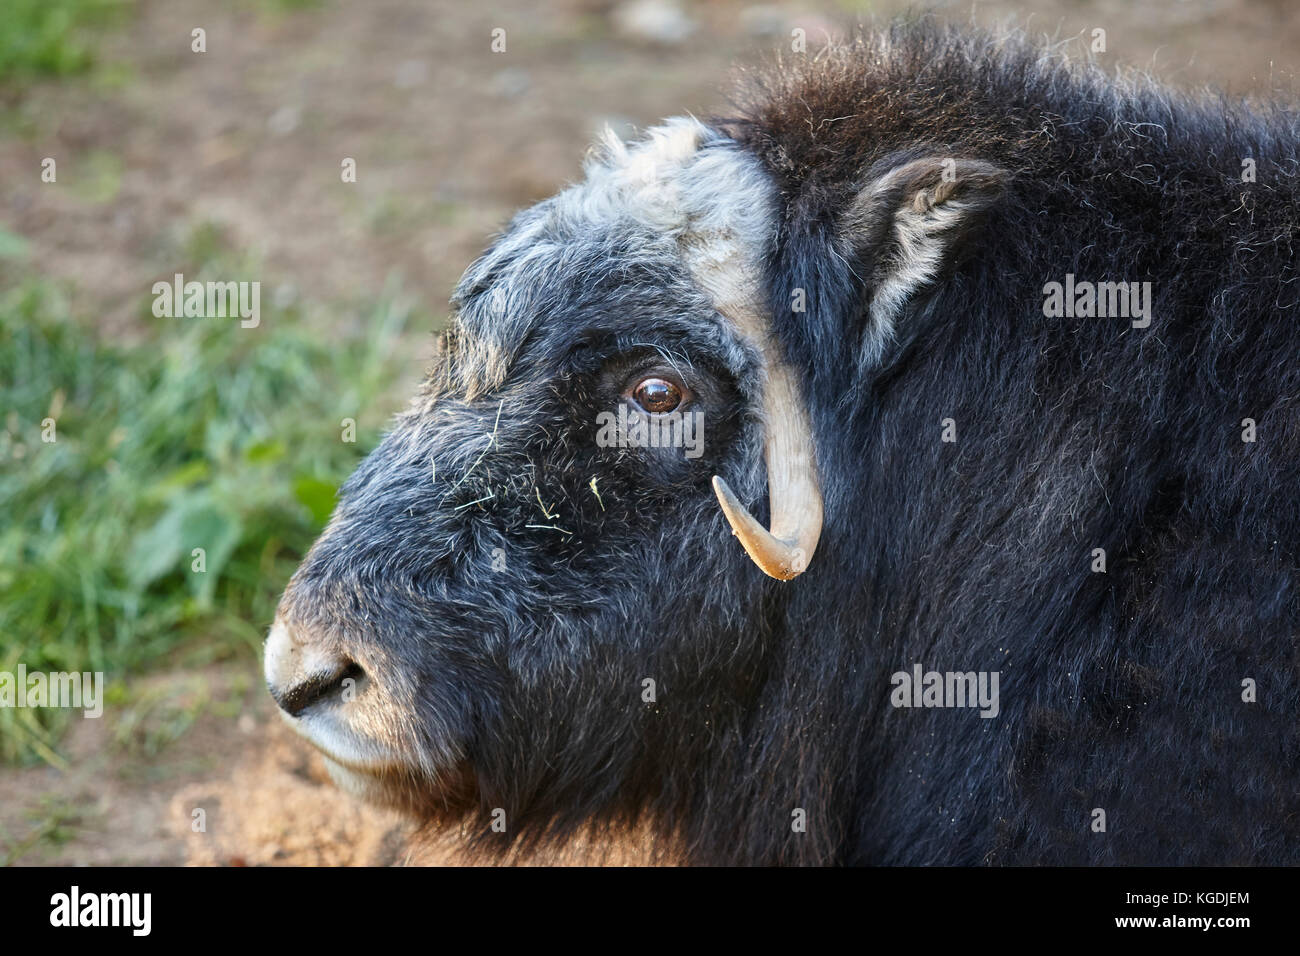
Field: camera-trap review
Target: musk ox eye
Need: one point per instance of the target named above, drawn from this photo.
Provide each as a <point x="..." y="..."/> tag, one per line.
<point x="657" y="395"/>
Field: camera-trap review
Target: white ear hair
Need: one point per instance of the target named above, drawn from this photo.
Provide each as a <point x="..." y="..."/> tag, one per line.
<point x="912" y="216"/>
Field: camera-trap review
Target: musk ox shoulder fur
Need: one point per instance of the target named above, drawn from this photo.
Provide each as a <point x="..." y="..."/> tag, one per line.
<point x="901" y="469"/>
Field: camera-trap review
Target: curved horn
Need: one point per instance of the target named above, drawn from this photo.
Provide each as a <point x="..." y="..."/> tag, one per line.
<point x="794" y="498"/>
<point x="727" y="214"/>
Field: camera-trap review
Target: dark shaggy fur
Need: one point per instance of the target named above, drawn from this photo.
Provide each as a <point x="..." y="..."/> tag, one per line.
<point x="1119" y="690"/>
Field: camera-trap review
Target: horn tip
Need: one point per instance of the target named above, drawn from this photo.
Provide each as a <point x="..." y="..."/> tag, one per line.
<point x="780" y="568"/>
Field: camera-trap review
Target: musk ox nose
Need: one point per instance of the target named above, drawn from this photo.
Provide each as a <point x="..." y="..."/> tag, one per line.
<point x="301" y="673"/>
<point x="297" y="698"/>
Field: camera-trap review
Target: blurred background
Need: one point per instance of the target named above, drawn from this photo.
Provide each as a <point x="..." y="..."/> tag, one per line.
<point x="226" y="165"/>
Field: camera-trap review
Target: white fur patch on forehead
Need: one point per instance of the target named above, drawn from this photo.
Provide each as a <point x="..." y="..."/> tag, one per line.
<point x="682" y="177"/>
<point x="688" y="183"/>
<point x="683" y="193"/>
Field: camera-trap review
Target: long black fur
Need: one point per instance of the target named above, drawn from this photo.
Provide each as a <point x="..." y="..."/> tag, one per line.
<point x="1119" y="690"/>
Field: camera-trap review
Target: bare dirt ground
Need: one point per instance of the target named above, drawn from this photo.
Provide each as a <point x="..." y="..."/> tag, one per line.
<point x="232" y="790"/>
<point x="449" y="138"/>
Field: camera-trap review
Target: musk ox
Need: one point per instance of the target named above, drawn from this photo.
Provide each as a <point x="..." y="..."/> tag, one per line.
<point x="973" y="534"/>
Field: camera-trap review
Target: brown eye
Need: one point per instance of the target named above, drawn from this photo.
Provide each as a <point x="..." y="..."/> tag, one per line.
<point x="657" y="396"/>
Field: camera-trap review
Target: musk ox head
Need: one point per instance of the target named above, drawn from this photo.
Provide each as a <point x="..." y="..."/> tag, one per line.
<point x="577" y="580"/>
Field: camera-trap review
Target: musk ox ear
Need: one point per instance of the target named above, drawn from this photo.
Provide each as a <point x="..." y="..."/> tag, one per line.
<point x="908" y="225"/>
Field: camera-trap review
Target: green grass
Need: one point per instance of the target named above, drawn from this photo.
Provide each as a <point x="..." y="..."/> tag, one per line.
<point x="57" y="38"/>
<point x="207" y="436"/>
<point x="52" y="37"/>
<point x="54" y="821"/>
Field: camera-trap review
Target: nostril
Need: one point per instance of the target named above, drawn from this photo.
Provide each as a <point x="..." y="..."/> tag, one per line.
<point x="294" y="700"/>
